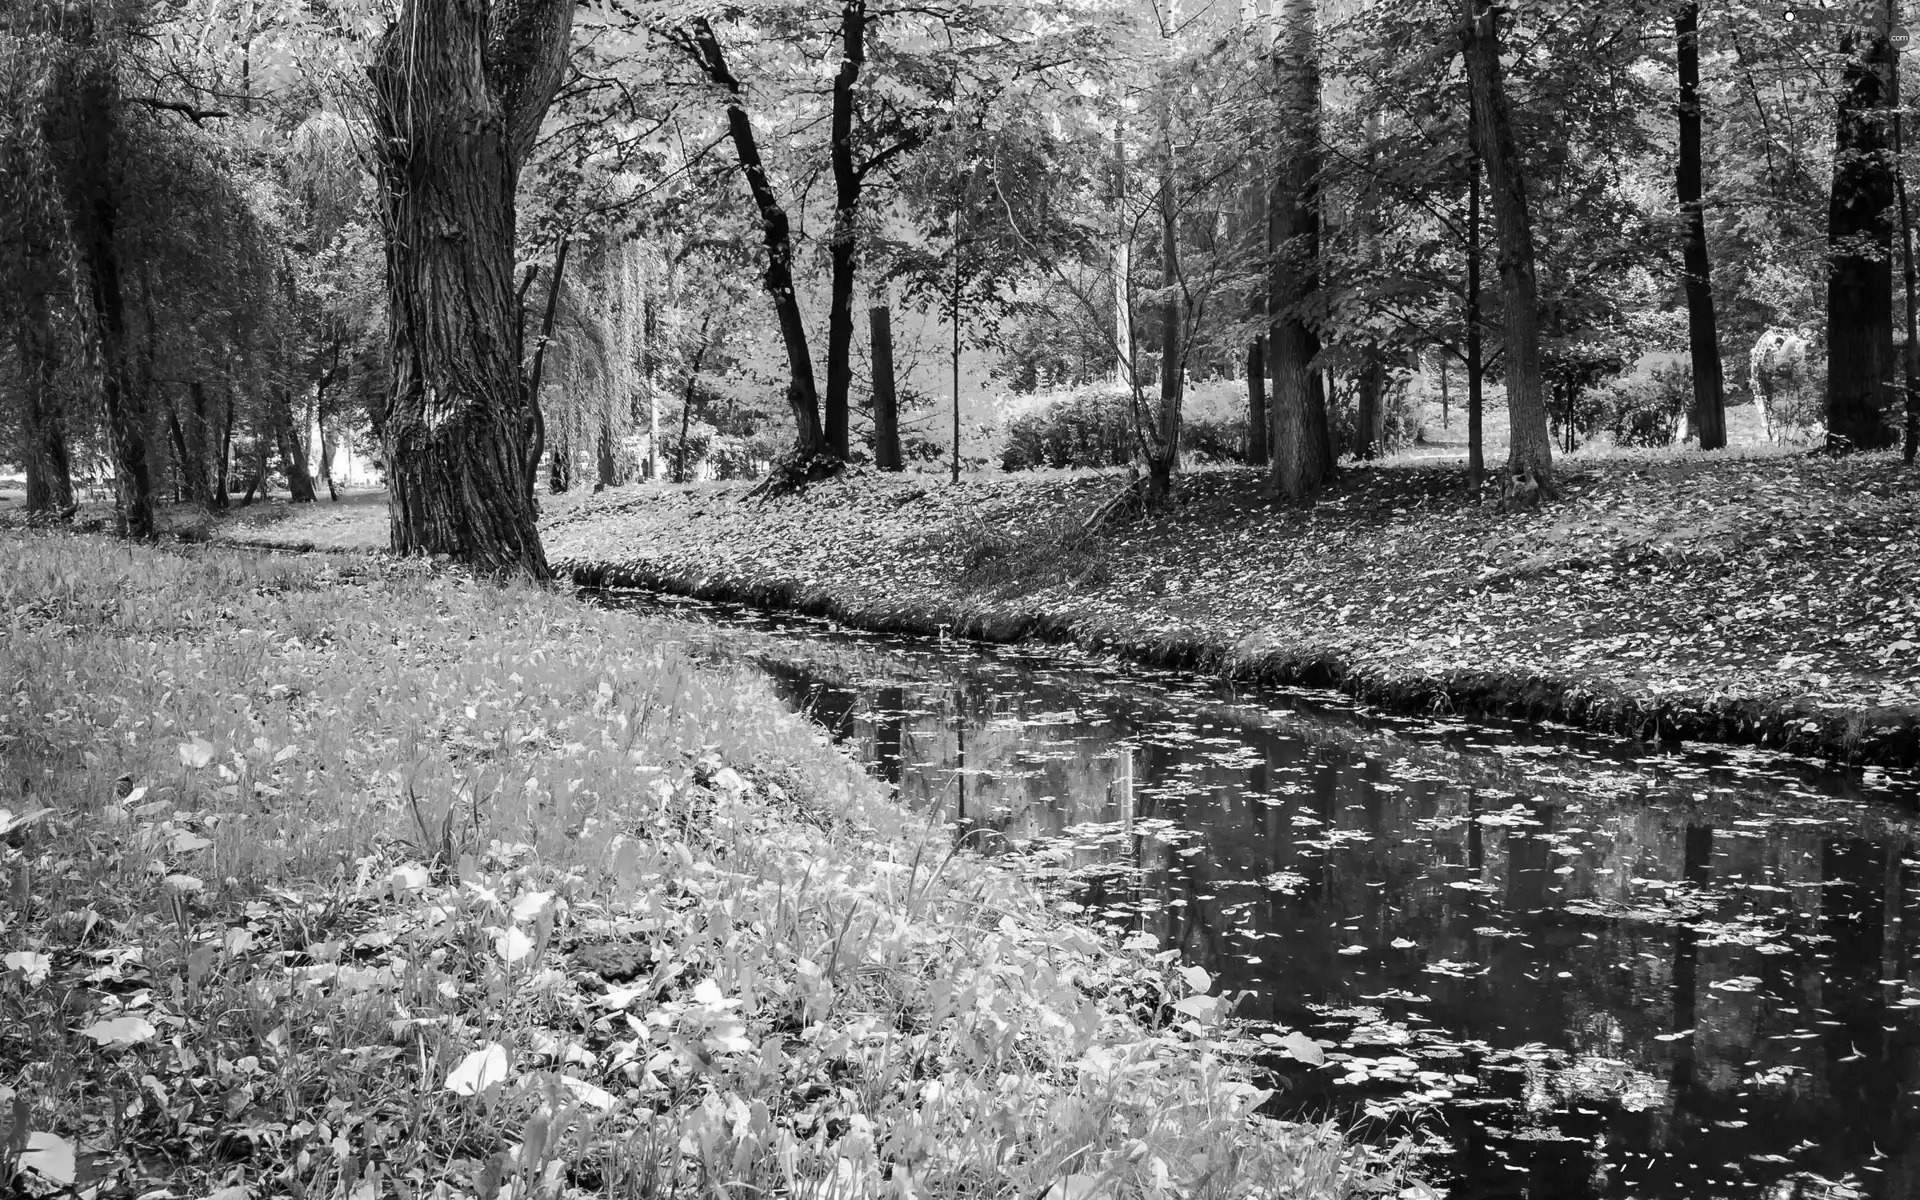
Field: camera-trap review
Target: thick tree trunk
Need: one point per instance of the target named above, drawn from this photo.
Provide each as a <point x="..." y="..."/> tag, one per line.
<point x="886" y="401"/>
<point x="1530" y="440"/>
<point x="1860" y="363"/>
<point x="43" y="431"/>
<point x="1302" y="461"/>
<point x="776" y="231"/>
<point x="1709" y="393"/>
<point x="1911" y="356"/>
<point x="460" y="90"/>
<point x="841" y="242"/>
<point x="83" y="130"/>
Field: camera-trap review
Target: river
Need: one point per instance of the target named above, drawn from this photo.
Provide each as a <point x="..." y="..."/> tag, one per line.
<point x="1577" y="967"/>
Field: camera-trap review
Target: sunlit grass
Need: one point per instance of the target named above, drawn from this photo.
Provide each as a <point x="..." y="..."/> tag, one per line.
<point x="297" y="843"/>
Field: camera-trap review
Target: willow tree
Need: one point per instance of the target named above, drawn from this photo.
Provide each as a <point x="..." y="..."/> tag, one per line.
<point x="460" y="89"/>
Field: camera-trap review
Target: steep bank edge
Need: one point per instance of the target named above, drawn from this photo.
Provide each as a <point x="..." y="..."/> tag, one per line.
<point x="1871" y="737"/>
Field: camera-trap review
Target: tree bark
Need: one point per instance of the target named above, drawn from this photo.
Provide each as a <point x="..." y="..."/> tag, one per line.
<point x="1703" y="336"/>
<point x="293" y="449"/>
<point x="1370" y="415"/>
<point x="841" y="242"/>
<point x="460" y="90"/>
<point x="776" y="231"/>
<point x="1911" y="356"/>
<point x="1163" y="447"/>
<point x="1860" y="361"/>
<point x="1257" y="402"/>
<point x="1530" y="440"/>
<point x="1301" y="458"/>
<point x="43" y="432"/>
<point x="886" y="401"/>
<point x="1476" y="362"/>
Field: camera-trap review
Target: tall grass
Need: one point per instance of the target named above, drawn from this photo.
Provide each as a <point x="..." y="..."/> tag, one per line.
<point x="342" y="878"/>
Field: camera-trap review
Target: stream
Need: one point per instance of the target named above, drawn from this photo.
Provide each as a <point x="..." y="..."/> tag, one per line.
<point x="1578" y="967"/>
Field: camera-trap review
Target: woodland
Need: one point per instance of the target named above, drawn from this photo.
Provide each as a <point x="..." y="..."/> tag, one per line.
<point x="1526" y="372"/>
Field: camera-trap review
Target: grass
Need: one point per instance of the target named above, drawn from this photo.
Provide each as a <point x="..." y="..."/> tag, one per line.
<point x="332" y="877"/>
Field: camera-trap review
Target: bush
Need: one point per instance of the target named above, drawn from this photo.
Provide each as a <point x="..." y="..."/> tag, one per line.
<point x="1646" y="409"/>
<point x="1215" y="439"/>
<point x="1088" y="427"/>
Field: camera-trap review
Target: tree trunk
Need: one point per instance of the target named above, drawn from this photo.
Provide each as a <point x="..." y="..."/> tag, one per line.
<point x="1912" y="355"/>
<point x="1301" y="458"/>
<point x="184" y="491"/>
<point x="1860" y="362"/>
<point x="460" y="90"/>
<point x="1257" y="402"/>
<point x="1446" y="398"/>
<point x="1530" y="440"/>
<point x="293" y="450"/>
<point x="1163" y="448"/>
<point x="886" y="401"/>
<point x="560" y="464"/>
<point x="1370" y="414"/>
<point x="83" y="129"/>
<point x="221" y="497"/>
<point x="43" y="431"/>
<point x="841" y="241"/>
<point x="1709" y="393"/>
<point x="603" y="454"/>
<point x="776" y="231"/>
<point x="1476" y="363"/>
<point x="536" y="376"/>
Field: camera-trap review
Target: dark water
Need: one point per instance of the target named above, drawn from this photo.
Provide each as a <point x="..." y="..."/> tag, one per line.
<point x="1583" y="968"/>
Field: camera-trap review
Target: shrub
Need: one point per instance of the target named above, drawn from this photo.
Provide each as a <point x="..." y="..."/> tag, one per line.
<point x="1646" y="409"/>
<point x="1215" y="439"/>
<point x="1088" y="427"/>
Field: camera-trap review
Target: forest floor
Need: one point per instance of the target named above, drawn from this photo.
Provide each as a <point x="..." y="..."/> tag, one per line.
<point x="340" y="876"/>
<point x="1752" y="596"/>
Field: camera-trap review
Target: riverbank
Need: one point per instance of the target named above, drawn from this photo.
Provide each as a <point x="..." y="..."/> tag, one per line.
<point x="1771" y="600"/>
<point x="340" y="875"/>
<point x="1768" y="599"/>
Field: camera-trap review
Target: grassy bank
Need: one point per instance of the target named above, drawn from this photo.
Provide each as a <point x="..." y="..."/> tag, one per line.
<point x="329" y="876"/>
<point x="1771" y="600"/>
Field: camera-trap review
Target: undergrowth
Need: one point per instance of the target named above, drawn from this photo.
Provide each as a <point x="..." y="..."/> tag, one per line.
<point x="357" y="879"/>
<point x="1001" y="559"/>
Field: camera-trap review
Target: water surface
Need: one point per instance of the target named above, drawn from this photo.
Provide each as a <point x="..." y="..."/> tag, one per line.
<point x="1585" y="968"/>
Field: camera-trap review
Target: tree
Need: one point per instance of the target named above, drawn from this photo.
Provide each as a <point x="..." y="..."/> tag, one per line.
<point x="1301" y="444"/>
<point x="1703" y="337"/>
<point x="1860" y="362"/>
<point x="460" y="91"/>
<point x="1531" y="441"/>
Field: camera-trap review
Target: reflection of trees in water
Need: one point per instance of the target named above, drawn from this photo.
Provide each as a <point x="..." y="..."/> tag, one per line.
<point x="1660" y="910"/>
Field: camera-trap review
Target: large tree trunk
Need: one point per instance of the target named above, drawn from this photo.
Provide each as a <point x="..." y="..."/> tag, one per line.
<point x="1530" y="440"/>
<point x="1703" y="336"/>
<point x="1860" y="362"/>
<point x="83" y="130"/>
<point x="460" y="90"/>
<point x="841" y="242"/>
<point x="43" y="431"/>
<point x="1302" y="461"/>
<point x="1257" y="402"/>
<point x="886" y="401"/>
<point x="776" y="231"/>
<point x="1911" y="356"/>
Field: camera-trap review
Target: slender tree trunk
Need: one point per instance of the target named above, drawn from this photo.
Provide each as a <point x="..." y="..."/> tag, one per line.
<point x="802" y="396"/>
<point x="258" y="483"/>
<point x="1446" y="399"/>
<point x="1476" y="363"/>
<point x="842" y="242"/>
<point x="83" y="130"/>
<point x="1530" y="440"/>
<point x="293" y="449"/>
<point x="886" y="401"/>
<point x="1257" y="402"/>
<point x="955" y="313"/>
<point x="536" y="377"/>
<point x="1369" y="418"/>
<point x="184" y="489"/>
<point x="1163" y="453"/>
<point x="1912" y="355"/>
<point x="460" y="89"/>
<point x="221" y="496"/>
<point x="1860" y="362"/>
<point x="1302" y="461"/>
<point x="560" y="464"/>
<point x="1709" y="393"/>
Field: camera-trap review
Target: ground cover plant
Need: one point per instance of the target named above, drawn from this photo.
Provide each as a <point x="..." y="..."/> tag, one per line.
<point x="332" y="877"/>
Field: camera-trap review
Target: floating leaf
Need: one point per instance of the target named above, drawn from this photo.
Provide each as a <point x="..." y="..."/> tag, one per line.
<point x="479" y="1071"/>
<point x="1197" y="979"/>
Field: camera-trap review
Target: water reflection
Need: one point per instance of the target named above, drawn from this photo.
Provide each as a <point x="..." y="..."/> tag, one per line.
<point x="1594" y="971"/>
